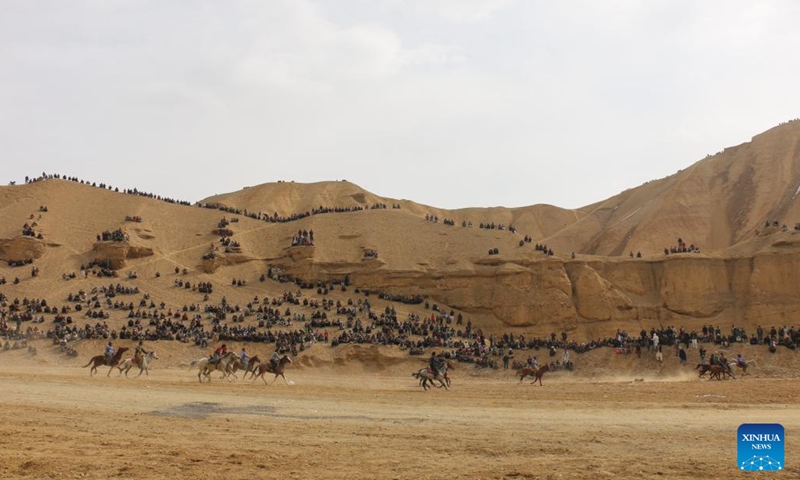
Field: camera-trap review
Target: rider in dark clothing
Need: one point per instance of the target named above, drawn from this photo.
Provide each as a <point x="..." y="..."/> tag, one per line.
<point x="432" y="364"/>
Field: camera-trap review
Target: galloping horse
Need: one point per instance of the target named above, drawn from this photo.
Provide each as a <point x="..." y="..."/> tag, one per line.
<point x="100" y="360"/>
<point x="144" y="367"/>
<point x="266" y="367"/>
<point x="704" y="368"/>
<point x="536" y="373"/>
<point x="205" y="368"/>
<point x="425" y="376"/>
<point x="251" y="366"/>
<point x="720" y="373"/>
<point x="742" y="366"/>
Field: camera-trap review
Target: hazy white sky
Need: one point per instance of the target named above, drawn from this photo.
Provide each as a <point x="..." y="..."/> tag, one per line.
<point x="452" y="103"/>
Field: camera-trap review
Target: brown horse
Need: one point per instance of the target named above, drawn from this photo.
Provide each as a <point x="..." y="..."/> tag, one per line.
<point x="703" y="368"/>
<point x="534" y="372"/>
<point x="266" y="367"/>
<point x="720" y="373"/>
<point x="252" y="364"/>
<point x="100" y="360"/>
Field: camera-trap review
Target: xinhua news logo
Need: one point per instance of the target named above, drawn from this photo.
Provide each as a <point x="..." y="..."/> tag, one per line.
<point x="761" y="447"/>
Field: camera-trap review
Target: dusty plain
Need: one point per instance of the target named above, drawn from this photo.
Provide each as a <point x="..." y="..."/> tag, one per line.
<point x="58" y="422"/>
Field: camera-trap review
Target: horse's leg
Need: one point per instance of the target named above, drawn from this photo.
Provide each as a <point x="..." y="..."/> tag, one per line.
<point x="284" y="379"/>
<point x="109" y="371"/>
<point x="141" y="369"/>
<point x="264" y="379"/>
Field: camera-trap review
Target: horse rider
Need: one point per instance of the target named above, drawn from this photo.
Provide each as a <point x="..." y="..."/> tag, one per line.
<point x="535" y="363"/>
<point x="741" y="361"/>
<point x="275" y="359"/>
<point x="723" y="362"/>
<point x="714" y="358"/>
<point x="139" y="353"/>
<point x="110" y="352"/>
<point x="432" y="364"/>
<point x="243" y="357"/>
<point x="220" y="351"/>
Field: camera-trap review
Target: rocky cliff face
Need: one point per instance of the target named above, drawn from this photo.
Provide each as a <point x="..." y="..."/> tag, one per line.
<point x="21" y="248"/>
<point x="678" y="289"/>
<point x="117" y="253"/>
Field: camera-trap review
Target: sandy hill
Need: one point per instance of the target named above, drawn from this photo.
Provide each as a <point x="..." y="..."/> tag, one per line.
<point x="716" y="203"/>
<point x="287" y="198"/>
<point x="747" y="273"/>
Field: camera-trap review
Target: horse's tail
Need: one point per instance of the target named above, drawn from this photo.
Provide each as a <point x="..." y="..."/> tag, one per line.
<point x="193" y="364"/>
<point x="90" y="362"/>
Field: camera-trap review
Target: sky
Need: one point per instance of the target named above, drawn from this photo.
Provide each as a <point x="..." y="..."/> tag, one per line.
<point x="450" y="103"/>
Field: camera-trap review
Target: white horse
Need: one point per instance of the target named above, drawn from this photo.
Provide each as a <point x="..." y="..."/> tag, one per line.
<point x="144" y="367"/>
<point x="748" y="363"/>
<point x="425" y="376"/>
<point x="224" y="364"/>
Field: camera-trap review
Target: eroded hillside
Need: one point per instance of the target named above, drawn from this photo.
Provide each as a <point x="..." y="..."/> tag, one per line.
<point x="745" y="272"/>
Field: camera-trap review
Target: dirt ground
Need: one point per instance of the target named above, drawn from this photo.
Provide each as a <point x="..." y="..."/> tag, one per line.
<point x="57" y="422"/>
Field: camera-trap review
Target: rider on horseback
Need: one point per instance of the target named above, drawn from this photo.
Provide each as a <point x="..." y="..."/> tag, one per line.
<point x="433" y="363"/>
<point x="220" y="351"/>
<point x="139" y="353"/>
<point x="741" y="361"/>
<point x="723" y="362"/>
<point x="273" y="361"/>
<point x="109" y="352"/>
<point x="243" y="357"/>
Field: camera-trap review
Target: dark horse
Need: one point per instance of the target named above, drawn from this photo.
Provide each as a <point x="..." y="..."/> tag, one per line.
<point x="100" y="360"/>
<point x="536" y="373"/>
<point x="703" y="368"/>
<point x="266" y="367"/>
<point x="720" y="373"/>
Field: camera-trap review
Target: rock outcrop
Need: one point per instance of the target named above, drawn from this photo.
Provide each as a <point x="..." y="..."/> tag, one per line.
<point x="117" y="253"/>
<point x="21" y="248"/>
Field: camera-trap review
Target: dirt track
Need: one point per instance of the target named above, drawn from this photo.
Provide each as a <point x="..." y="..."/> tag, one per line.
<point x="59" y="423"/>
